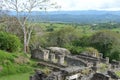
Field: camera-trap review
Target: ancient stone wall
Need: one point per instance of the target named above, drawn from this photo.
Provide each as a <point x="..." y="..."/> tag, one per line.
<point x="100" y="76"/>
<point x="74" y="61"/>
<point x="115" y="64"/>
<point x="93" y="59"/>
<point x="59" y="59"/>
<point x="37" y="54"/>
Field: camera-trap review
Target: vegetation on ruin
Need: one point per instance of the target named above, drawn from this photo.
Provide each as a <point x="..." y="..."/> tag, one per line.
<point x="118" y="73"/>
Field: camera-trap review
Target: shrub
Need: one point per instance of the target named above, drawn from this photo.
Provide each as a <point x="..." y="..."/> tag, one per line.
<point x="74" y="49"/>
<point x="9" y="42"/>
<point x="4" y="56"/>
<point x="118" y="73"/>
<point x="108" y="43"/>
<point x="92" y="51"/>
<point x="104" y="41"/>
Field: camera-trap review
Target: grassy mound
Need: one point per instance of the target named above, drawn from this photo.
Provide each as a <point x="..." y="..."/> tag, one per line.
<point x="10" y="63"/>
<point x="23" y="76"/>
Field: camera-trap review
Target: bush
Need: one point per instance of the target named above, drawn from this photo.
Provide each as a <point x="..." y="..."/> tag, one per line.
<point x="83" y="41"/>
<point x="9" y="42"/>
<point x="108" y="43"/>
<point x="4" y="56"/>
<point x="114" y="53"/>
<point x="74" y="49"/>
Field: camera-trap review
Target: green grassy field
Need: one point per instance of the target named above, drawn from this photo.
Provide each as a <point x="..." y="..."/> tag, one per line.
<point x="24" y="76"/>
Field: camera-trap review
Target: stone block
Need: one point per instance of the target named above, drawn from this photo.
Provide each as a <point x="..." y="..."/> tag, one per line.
<point x="61" y="59"/>
<point x="45" y="55"/>
<point x="52" y="57"/>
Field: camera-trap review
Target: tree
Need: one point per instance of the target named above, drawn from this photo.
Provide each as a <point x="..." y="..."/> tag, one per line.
<point x="63" y="36"/>
<point x="105" y="41"/>
<point x="23" y="10"/>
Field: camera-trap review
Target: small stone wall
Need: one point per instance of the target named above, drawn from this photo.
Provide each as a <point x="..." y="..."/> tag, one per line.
<point x="100" y="76"/>
<point x="59" y="59"/>
<point x="115" y="64"/>
<point x="74" y="61"/>
<point x="87" y="58"/>
<point x="35" y="54"/>
<point x="38" y="76"/>
<point x="113" y="75"/>
<point x="93" y="59"/>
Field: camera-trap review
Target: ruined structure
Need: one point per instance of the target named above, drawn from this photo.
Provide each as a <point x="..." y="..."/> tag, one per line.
<point x="73" y="67"/>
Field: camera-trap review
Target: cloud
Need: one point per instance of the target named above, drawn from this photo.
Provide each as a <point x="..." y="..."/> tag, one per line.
<point x="89" y="4"/>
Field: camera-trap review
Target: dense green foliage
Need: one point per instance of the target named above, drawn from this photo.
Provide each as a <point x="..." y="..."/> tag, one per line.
<point x="74" y="49"/>
<point x="9" y="42"/>
<point x="107" y="42"/>
<point x="63" y="36"/>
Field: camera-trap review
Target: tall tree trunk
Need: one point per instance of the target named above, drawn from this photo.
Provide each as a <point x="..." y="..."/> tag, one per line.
<point x="25" y="42"/>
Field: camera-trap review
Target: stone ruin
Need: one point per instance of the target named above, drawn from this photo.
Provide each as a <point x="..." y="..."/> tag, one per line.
<point x="69" y="73"/>
<point x="70" y="67"/>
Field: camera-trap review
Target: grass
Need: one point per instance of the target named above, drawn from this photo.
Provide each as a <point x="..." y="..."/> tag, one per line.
<point x="11" y="63"/>
<point x="24" y="76"/>
<point x="118" y="73"/>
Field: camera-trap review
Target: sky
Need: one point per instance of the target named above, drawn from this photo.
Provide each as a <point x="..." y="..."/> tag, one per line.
<point x="111" y="5"/>
<point x="89" y="4"/>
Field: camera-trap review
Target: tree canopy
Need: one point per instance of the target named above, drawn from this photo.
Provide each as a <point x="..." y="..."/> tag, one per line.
<point x="106" y="42"/>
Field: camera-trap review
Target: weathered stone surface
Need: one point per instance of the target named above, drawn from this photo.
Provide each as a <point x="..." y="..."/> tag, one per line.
<point x="64" y="63"/>
<point x="72" y="69"/>
<point x="37" y="54"/>
<point x="100" y="76"/>
<point x="74" y="61"/>
<point x="52" y="57"/>
<point x="58" y="50"/>
<point x="115" y="64"/>
<point x="54" y="76"/>
<point x="61" y="59"/>
<point x="45" y="55"/>
<point x="38" y="76"/>
<point x="107" y="60"/>
<point x="113" y="75"/>
<point x="41" y="76"/>
<point x="40" y="54"/>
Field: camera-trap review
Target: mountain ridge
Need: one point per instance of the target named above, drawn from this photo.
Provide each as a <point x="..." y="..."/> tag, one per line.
<point x="83" y="16"/>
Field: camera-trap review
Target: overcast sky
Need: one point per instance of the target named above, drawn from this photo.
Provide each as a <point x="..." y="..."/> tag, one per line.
<point x="89" y="4"/>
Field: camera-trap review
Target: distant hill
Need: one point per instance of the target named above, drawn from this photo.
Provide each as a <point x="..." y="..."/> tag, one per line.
<point x="87" y="16"/>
